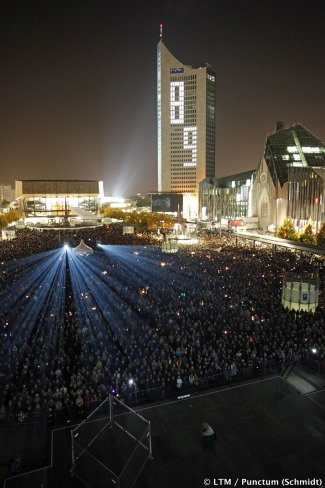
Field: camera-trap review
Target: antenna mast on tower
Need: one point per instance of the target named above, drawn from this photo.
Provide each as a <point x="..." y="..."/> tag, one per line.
<point x="161" y="30"/>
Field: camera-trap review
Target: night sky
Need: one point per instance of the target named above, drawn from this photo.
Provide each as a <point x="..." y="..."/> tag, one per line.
<point x="78" y="82"/>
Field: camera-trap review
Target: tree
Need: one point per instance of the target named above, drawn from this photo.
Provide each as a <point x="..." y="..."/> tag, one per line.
<point x="307" y="236"/>
<point x="3" y="221"/>
<point x="141" y="220"/>
<point x="114" y="213"/>
<point x="320" y="237"/>
<point x="13" y="215"/>
<point x="156" y="220"/>
<point x="287" y="230"/>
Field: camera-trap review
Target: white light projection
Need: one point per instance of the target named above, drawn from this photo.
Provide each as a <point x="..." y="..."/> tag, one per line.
<point x="177" y="102"/>
<point x="177" y="108"/>
<point x="190" y="142"/>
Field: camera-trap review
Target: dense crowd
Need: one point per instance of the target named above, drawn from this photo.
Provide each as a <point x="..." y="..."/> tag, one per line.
<point x="167" y="322"/>
<point x="28" y="241"/>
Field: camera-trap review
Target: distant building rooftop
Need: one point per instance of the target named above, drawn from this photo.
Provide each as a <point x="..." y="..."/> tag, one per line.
<point x="225" y="181"/>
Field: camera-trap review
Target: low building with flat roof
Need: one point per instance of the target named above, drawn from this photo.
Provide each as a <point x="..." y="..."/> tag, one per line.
<point x="57" y="201"/>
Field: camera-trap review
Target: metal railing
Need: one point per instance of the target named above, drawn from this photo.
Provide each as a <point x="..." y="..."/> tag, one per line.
<point x="132" y="396"/>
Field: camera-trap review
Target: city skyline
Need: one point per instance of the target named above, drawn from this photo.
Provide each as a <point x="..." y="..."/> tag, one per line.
<point x="78" y="83"/>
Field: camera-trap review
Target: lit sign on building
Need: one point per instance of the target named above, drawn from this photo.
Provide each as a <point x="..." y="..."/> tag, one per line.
<point x="176" y="70"/>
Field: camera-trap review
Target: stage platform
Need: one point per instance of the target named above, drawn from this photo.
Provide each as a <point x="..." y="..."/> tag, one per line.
<point x="266" y="430"/>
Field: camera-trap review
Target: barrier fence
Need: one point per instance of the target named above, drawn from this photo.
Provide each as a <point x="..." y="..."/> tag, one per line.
<point x="132" y="396"/>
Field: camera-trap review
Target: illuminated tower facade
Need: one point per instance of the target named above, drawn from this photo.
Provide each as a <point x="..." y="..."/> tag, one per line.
<point x="186" y="123"/>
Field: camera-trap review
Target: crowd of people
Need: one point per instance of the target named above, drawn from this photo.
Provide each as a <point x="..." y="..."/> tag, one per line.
<point x="29" y="241"/>
<point x="136" y="320"/>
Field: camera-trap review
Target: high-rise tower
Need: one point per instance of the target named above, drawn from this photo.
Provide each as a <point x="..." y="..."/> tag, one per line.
<point x="186" y="123"/>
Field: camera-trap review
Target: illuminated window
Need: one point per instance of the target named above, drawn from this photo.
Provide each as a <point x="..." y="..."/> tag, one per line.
<point x="190" y="137"/>
<point x="311" y="150"/>
<point x="292" y="149"/>
<point x="285" y="157"/>
<point x="190" y="141"/>
<point x="233" y="184"/>
<point x="296" y="157"/>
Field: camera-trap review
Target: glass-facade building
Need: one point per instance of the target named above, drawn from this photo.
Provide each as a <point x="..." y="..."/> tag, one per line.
<point x="289" y="179"/>
<point x="306" y="193"/>
<point x="292" y="179"/>
<point x="225" y="198"/>
<point x="186" y="101"/>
